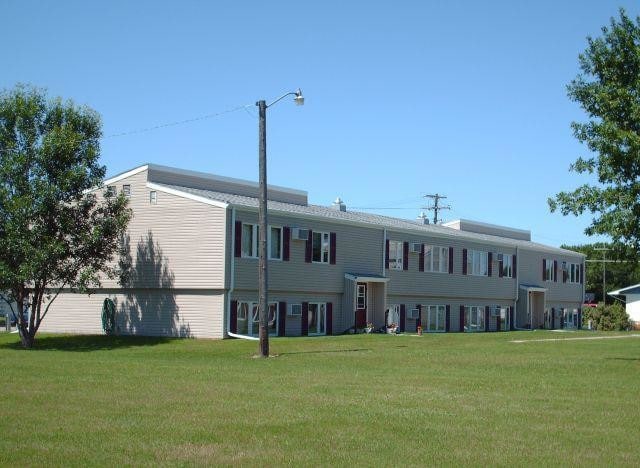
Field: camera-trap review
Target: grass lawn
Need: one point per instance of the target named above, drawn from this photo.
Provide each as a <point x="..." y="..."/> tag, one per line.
<point x="349" y="400"/>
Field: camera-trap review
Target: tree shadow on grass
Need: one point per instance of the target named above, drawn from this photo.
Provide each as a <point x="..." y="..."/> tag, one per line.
<point x="85" y="343"/>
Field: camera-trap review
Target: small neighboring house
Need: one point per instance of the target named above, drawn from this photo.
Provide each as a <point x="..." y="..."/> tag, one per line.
<point x="194" y="256"/>
<point x="631" y="296"/>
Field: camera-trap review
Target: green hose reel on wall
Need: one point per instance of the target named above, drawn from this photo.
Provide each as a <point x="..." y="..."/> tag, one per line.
<point x="109" y="317"/>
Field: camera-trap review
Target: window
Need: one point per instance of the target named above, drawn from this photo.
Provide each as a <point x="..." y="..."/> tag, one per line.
<point x="395" y="255"/>
<point x="275" y="243"/>
<point x="436" y="259"/>
<point x="573" y="273"/>
<point x="570" y="318"/>
<point x="549" y="270"/>
<point x="393" y="315"/>
<point x="505" y="319"/>
<point x="153" y="197"/>
<point x="321" y="246"/>
<point x="250" y="234"/>
<point x="126" y="190"/>
<point x="477" y="263"/>
<point x="507" y="266"/>
<point x="361" y="297"/>
<point x="111" y="191"/>
<point x="317" y="317"/>
<point x="435" y="316"/>
<point x="473" y="318"/>
<point x="248" y="321"/>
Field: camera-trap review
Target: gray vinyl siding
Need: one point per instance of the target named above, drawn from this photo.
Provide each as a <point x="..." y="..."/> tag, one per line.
<point x="531" y="274"/>
<point x="293" y="325"/>
<point x="176" y="243"/>
<point x="456" y="285"/>
<point x="358" y="250"/>
<point x="171" y="313"/>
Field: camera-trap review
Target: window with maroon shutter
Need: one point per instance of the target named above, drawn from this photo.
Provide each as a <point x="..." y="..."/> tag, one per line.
<point x="329" y="320"/>
<point x="332" y="248"/>
<point x="489" y="263"/>
<point x="421" y="258"/>
<point x="464" y="261"/>
<point x="308" y="251"/>
<point x="450" y="261"/>
<point x="304" y="320"/>
<point x="513" y="266"/>
<point x="402" y="317"/>
<point x="405" y="256"/>
<point x="461" y="318"/>
<point x="233" y="317"/>
<point x="282" y="318"/>
<point x="237" y="239"/>
<point x="386" y="254"/>
<point x="286" y="241"/>
<point x="447" y="318"/>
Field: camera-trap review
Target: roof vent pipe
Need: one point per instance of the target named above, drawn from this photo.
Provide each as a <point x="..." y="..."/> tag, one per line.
<point x="422" y="219"/>
<point x="339" y="205"/>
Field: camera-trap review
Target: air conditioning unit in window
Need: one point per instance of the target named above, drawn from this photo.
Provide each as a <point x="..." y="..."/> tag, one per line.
<point x="415" y="247"/>
<point x="414" y="314"/>
<point x="299" y="234"/>
<point x="295" y="310"/>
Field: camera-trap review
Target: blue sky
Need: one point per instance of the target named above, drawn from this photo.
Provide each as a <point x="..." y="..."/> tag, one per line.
<point x="462" y="98"/>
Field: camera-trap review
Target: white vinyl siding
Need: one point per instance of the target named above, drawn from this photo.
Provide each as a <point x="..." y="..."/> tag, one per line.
<point x="436" y="259"/>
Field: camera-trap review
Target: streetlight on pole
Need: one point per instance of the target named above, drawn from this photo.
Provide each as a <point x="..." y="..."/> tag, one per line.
<point x="263" y="303"/>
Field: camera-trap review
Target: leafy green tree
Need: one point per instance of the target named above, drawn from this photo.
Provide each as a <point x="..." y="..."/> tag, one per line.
<point x="55" y="233"/>
<point x="608" y="89"/>
<point x="622" y="269"/>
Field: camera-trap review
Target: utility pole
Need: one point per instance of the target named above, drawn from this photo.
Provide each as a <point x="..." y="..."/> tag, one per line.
<point x="263" y="333"/>
<point x="436" y="206"/>
<point x="604" y="272"/>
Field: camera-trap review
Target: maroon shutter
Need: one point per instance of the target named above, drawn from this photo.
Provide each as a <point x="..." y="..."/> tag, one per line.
<point x="553" y="318"/>
<point x="386" y="254"/>
<point x="405" y="256"/>
<point x="329" y="321"/>
<point x="500" y="268"/>
<point x="282" y="318"/>
<point x="304" y="320"/>
<point x="450" y="260"/>
<point x="421" y="259"/>
<point x="332" y="248"/>
<point x="402" y="317"/>
<point x="498" y="323"/>
<point x="512" y="325"/>
<point x="565" y="272"/>
<point x="447" y="318"/>
<point x="464" y="261"/>
<point x="233" y="317"/>
<point x="489" y="263"/>
<point x="238" y="239"/>
<point x="419" y="321"/>
<point x="555" y="271"/>
<point x="544" y="269"/>
<point x="513" y="266"/>
<point x="461" y="318"/>
<point x="286" y="240"/>
<point x="308" y="251"/>
<point x="487" y="316"/>
<point x="579" y="319"/>
<point x="582" y="273"/>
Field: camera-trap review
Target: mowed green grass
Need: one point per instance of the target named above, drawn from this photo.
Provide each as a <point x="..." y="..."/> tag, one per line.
<point x="446" y="399"/>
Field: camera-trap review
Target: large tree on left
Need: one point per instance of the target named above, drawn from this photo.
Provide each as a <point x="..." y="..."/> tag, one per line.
<point x="55" y="232"/>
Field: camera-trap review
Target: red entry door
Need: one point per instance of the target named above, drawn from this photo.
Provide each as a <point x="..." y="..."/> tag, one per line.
<point x="361" y="305"/>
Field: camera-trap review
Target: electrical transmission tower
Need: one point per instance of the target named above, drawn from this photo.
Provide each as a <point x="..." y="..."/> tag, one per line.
<point x="436" y="207"/>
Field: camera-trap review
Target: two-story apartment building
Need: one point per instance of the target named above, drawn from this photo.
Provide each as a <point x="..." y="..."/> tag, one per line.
<point x="193" y="248"/>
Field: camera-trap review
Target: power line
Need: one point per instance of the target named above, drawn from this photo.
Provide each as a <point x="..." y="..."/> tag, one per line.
<point x="436" y="207"/>
<point x="179" y="122"/>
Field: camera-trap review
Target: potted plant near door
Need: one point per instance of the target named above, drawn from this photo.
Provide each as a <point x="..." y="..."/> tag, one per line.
<point x="369" y="328"/>
<point x="392" y="328"/>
